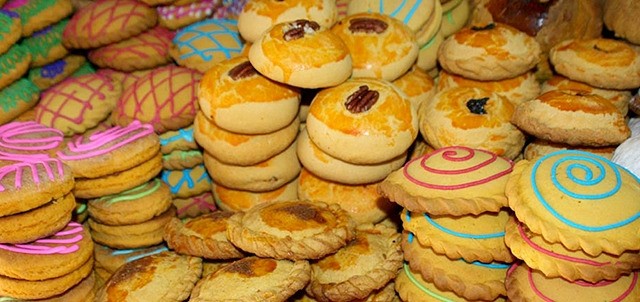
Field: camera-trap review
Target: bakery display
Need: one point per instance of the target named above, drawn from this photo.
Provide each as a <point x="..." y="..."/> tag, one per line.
<point x="319" y="150"/>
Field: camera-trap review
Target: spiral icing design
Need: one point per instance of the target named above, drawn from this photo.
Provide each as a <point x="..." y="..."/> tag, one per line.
<point x="62" y="242"/>
<point x="28" y="140"/>
<point x="574" y="185"/>
<point x="455" y="168"/>
<point x="103" y="142"/>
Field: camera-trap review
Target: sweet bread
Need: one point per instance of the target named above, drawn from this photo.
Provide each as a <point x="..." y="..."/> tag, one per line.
<point x="302" y="53"/>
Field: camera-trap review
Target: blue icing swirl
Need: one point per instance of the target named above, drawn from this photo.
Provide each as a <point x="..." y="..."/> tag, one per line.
<point x="395" y="12"/>
<point x="54" y="69"/>
<point x="186" y="134"/>
<point x="228" y="27"/>
<point x="462" y="235"/>
<point x="186" y="178"/>
<point x="579" y="170"/>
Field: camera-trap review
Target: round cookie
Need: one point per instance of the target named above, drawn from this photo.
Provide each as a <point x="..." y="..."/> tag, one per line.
<point x="194" y="206"/>
<point x="77" y="104"/>
<point x="253" y="279"/>
<point x="381" y="47"/>
<point x="78" y="293"/>
<point x="428" y="54"/>
<point x="450" y="181"/>
<point x="366" y="264"/>
<point x="240" y="149"/>
<point x="105" y="21"/>
<point x="579" y="199"/>
<point x="38" y="14"/>
<point x="45" y="45"/>
<point x="619" y="98"/>
<point x="471" y="117"/>
<point x="362" y="202"/>
<point x="470" y="280"/>
<point x="301" y="53"/>
<point x="132" y="206"/>
<point x="291" y="230"/>
<point x="235" y="97"/>
<point x="470" y="237"/>
<point x="232" y="200"/>
<point x="258" y="16"/>
<point x="178" y="140"/>
<point x="491" y="52"/>
<point x="526" y="284"/>
<point x="261" y="177"/>
<point x="10" y="29"/>
<point x="570" y="117"/>
<point x="600" y="62"/>
<point x="182" y="159"/>
<point x="362" y="114"/>
<point x="417" y="85"/>
<point x="203" y="44"/>
<point x="143" y="51"/>
<point x="29" y="140"/>
<point x="18" y="98"/>
<point x="187" y="182"/>
<point x="554" y="260"/>
<point x="414" y="13"/>
<point x="333" y="169"/>
<point x="165" y="276"/>
<point x="517" y="90"/>
<point x="13" y="64"/>
<point x="166" y="98"/>
<point x="108" y="260"/>
<point x="454" y="16"/>
<point x="177" y="16"/>
<point x="53" y="73"/>
<point x="144" y="234"/>
<point x="203" y="236"/>
<point x="538" y="148"/>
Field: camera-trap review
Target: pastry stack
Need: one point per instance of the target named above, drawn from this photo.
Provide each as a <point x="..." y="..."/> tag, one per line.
<point x="585" y="82"/>
<point x="43" y="253"/>
<point x="575" y="226"/>
<point x="247" y="124"/>
<point x="453" y="220"/>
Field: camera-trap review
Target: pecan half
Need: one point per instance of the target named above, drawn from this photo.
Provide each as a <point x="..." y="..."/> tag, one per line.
<point x="367" y="25"/>
<point x="242" y="70"/>
<point x="362" y="100"/>
<point x="297" y="29"/>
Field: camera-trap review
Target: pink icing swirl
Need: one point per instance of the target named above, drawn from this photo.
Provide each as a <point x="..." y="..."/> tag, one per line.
<point x="28" y="139"/>
<point x="103" y="142"/>
<point x="31" y="167"/>
<point x="464" y="158"/>
<point x="63" y="242"/>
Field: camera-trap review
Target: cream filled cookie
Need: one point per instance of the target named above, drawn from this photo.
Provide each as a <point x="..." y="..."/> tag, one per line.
<point x="235" y="97"/>
<point x="381" y="47"/>
<point x="301" y="53"/>
<point x="491" y="52"/>
<point x="362" y="114"/>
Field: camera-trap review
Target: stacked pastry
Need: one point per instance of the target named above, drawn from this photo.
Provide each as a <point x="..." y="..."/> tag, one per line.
<point x="453" y="219"/>
<point x="30" y="39"/>
<point x="185" y="174"/>
<point x="481" y="83"/>
<point x="591" y="84"/>
<point x="247" y="125"/>
<point x="43" y="253"/>
<point x="575" y="225"/>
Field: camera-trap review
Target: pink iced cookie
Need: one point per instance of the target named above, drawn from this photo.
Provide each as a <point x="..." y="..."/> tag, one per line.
<point x="29" y="140"/>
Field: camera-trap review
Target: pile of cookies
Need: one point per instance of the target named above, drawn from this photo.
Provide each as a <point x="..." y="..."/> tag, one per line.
<point x="316" y="150"/>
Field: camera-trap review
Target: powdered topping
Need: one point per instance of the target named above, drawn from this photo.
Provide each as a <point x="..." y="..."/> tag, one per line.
<point x="138" y="192"/>
<point x="553" y="254"/>
<point x="52" y="167"/>
<point x="455" y="168"/>
<point x="103" y="142"/>
<point x="298" y="29"/>
<point x="590" y="183"/>
<point x="362" y="100"/>
<point x="367" y="25"/>
<point x="203" y="202"/>
<point x="28" y="137"/>
<point x="203" y="8"/>
<point x="62" y="242"/>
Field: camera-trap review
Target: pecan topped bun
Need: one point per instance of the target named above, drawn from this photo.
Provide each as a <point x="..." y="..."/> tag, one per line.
<point x="301" y="53"/>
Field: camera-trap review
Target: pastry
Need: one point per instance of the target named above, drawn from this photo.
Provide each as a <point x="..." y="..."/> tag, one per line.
<point x="517" y="90"/>
<point x="54" y="72"/>
<point x="45" y="45"/>
<point x="11" y="29"/>
<point x="414" y="14"/>
<point x="617" y="15"/>
<point x="143" y="234"/>
<point x="38" y="14"/>
<point x="417" y="85"/>
<point x="14" y="63"/>
<point x="233" y="200"/>
<point x="539" y="147"/>
<point x="619" y="98"/>
<point x="16" y="99"/>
